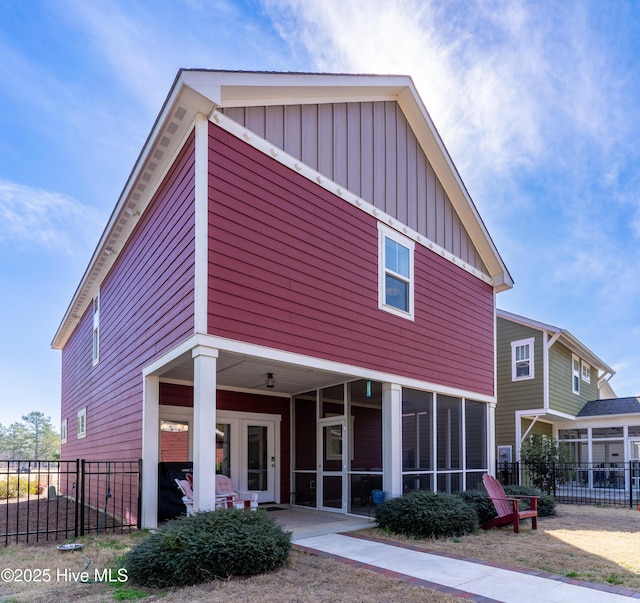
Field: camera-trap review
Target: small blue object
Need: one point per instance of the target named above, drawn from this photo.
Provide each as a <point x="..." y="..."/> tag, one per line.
<point x="377" y="496"/>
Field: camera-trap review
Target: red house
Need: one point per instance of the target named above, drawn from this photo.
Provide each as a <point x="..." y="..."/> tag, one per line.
<point x="294" y="289"/>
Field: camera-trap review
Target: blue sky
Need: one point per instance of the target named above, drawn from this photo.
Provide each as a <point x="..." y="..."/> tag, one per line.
<point x="537" y="102"/>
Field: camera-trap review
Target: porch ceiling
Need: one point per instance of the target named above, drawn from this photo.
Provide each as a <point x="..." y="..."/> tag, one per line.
<point x="250" y="372"/>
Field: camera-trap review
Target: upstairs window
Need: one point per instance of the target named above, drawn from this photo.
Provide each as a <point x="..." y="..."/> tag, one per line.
<point x="575" y="383"/>
<point x="395" y="275"/>
<point x="96" y="329"/>
<point x="586" y="373"/>
<point x="63" y="432"/>
<point x="522" y="360"/>
<point x="82" y="423"/>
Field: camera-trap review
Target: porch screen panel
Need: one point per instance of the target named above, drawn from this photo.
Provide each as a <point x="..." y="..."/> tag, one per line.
<point x="332" y="401"/>
<point x="449" y="418"/>
<point x="476" y="435"/>
<point x="305" y="432"/>
<point x="416" y="430"/>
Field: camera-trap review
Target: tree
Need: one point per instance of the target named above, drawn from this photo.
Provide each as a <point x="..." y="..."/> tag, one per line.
<point x="32" y="439"/>
<point x="543" y="456"/>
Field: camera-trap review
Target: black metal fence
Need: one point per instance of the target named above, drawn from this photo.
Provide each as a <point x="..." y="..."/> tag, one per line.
<point x="616" y="484"/>
<point x="44" y="501"/>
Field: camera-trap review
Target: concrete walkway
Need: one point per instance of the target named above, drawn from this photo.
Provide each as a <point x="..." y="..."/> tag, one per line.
<point x="470" y="579"/>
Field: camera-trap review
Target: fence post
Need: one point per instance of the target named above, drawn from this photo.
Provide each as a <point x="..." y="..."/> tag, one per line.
<point x="82" y="492"/>
<point x="139" y="518"/>
<point x="77" y="497"/>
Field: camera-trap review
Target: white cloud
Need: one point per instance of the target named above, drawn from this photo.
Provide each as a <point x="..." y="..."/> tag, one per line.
<point x="34" y="219"/>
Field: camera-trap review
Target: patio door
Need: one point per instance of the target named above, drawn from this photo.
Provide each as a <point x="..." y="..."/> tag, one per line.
<point x="332" y="468"/>
<point x="246" y="451"/>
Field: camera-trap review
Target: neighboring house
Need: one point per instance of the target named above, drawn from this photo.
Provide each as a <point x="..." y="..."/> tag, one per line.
<point x="547" y="381"/>
<point x="294" y="289"/>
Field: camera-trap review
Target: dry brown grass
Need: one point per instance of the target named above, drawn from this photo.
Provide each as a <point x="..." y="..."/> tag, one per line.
<point x="588" y="543"/>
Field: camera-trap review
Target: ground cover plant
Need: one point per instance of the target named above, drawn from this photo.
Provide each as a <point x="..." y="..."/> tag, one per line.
<point x="587" y="543"/>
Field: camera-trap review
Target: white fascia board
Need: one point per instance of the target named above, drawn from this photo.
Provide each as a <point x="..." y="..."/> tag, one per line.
<point x="247" y="89"/>
<point x="168" y="134"/>
<point x="446" y="171"/>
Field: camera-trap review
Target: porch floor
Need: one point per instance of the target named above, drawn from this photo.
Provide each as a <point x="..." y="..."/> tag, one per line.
<point x="305" y="523"/>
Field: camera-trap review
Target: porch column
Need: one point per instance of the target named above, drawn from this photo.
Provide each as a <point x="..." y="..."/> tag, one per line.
<point x="150" y="450"/>
<point x="392" y="439"/>
<point x="491" y="439"/>
<point x="204" y="427"/>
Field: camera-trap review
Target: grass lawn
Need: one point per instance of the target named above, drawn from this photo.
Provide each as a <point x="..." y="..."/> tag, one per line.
<point x="588" y="543"/>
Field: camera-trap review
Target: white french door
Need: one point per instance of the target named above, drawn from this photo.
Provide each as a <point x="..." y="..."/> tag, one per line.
<point x="247" y="446"/>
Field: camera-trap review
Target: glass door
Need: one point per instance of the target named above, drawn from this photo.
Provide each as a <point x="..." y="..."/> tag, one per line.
<point x="332" y="464"/>
<point x="259" y="464"/>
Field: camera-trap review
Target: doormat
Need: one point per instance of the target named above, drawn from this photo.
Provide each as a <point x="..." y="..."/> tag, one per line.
<point x="274" y="509"/>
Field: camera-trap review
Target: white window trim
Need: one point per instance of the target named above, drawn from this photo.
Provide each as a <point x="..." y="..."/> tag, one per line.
<point x="82" y="422"/>
<point x="575" y="383"/>
<point x="63" y="432"/>
<point x="95" y="333"/>
<point x="514" y="372"/>
<point x="386" y="232"/>
<point x="585" y="372"/>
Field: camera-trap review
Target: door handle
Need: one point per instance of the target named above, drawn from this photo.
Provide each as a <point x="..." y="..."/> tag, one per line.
<point x="273" y="461"/>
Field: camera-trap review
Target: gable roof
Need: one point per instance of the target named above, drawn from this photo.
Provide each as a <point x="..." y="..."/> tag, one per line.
<point x="613" y="406"/>
<point x="201" y="91"/>
<point x="560" y="335"/>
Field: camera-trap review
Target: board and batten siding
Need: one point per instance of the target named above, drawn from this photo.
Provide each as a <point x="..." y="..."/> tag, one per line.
<point x="370" y="149"/>
<point x="146" y="307"/>
<point x="561" y="396"/>
<point x="516" y="395"/>
<point x="294" y="267"/>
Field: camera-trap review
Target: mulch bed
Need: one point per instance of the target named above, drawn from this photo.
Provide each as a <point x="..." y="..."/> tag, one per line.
<point x="38" y="519"/>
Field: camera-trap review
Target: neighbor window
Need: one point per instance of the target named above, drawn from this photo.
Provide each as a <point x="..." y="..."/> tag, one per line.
<point x="575" y="383"/>
<point x="395" y="275"/>
<point x="586" y="372"/>
<point x="82" y="423"/>
<point x="522" y="360"/>
<point x="63" y="432"/>
<point x="96" y="328"/>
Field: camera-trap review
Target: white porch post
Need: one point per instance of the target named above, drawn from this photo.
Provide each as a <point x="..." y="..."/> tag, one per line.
<point x="491" y="439"/>
<point x="150" y="450"/>
<point x="204" y="428"/>
<point x="392" y="439"/>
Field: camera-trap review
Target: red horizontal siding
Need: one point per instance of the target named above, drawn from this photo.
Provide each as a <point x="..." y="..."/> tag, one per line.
<point x="294" y="267"/>
<point x="146" y="307"/>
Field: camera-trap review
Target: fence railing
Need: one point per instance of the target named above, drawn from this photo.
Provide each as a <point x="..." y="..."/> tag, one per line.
<point x="43" y="501"/>
<point x="615" y="484"/>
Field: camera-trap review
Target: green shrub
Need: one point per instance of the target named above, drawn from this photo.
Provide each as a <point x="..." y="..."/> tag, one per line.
<point x="209" y="545"/>
<point x="427" y="515"/>
<point x="16" y="486"/>
<point x="482" y="504"/>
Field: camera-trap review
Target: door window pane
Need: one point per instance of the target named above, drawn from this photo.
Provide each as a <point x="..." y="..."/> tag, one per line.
<point x="257" y="461"/>
<point x="174" y="441"/>
<point x="223" y="447"/>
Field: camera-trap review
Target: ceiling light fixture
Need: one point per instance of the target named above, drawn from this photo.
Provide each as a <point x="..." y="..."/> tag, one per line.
<point x="271" y="382"/>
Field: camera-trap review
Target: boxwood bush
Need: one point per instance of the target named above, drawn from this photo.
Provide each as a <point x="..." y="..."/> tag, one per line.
<point x="482" y="504"/>
<point x="209" y="545"/>
<point x="427" y="515"/>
